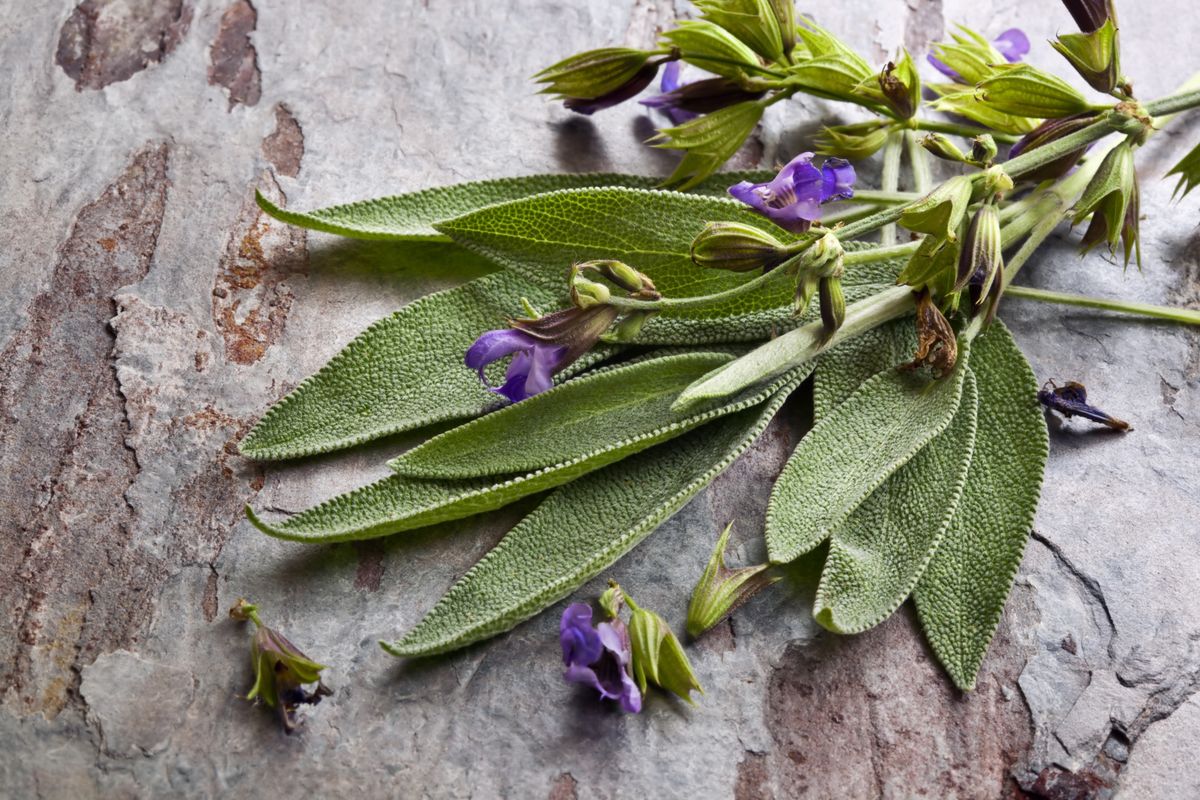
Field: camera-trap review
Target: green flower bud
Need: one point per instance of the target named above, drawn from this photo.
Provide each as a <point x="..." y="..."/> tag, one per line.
<point x="586" y="294"/>
<point x="658" y="656"/>
<point x="736" y="247"/>
<point x="855" y="142"/>
<point x="611" y="600"/>
<point x="785" y="15"/>
<point x="943" y="148"/>
<point x="901" y="86"/>
<point x="628" y="328"/>
<point x="593" y="73"/>
<point x="941" y="211"/>
<point x="996" y="181"/>
<point x="1113" y="201"/>
<point x="983" y="149"/>
<point x="623" y="275"/>
<point x="833" y="304"/>
<point x="982" y="253"/>
<point x="1027" y="91"/>
<point x="1095" y="56"/>
<point x="752" y="21"/>
<point x="721" y="591"/>
<point x="712" y="48"/>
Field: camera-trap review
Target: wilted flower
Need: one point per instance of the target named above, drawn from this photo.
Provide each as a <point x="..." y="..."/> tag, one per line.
<point x="1012" y="45"/>
<point x="1071" y="401"/>
<point x="901" y="86"/>
<point x="598" y="656"/>
<point x="685" y="101"/>
<point x="540" y="348"/>
<point x="793" y="198"/>
<point x="1095" y="53"/>
<point x="280" y="669"/>
<point x="1090" y="15"/>
<point x="937" y="346"/>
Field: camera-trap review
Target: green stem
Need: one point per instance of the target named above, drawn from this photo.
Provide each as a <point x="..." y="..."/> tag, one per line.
<point x="879" y="197"/>
<point x="890" y="179"/>
<point x="1173" y="104"/>
<point x="1184" y="315"/>
<point x="854" y="257"/>
<point x="918" y="162"/>
<point x="954" y="129"/>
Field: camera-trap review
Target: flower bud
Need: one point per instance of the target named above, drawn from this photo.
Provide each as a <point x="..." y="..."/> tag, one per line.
<point x="1049" y="131"/>
<point x="940" y="212"/>
<point x="705" y="96"/>
<point x="752" y="21"/>
<point x="611" y="600"/>
<point x="983" y="150"/>
<point x="658" y="656"/>
<point x="833" y="304"/>
<point x="721" y="591"/>
<point x="1027" y="91"/>
<point x="996" y="181"/>
<point x="1090" y="15"/>
<point x="901" y="86"/>
<point x="943" y="148"/>
<point x="1110" y="198"/>
<point x="597" y="79"/>
<point x="623" y="275"/>
<point x="627" y="328"/>
<point x="937" y="346"/>
<point x="736" y="247"/>
<point x="710" y="47"/>
<point x="1095" y="55"/>
<point x="855" y="142"/>
<point x="785" y="14"/>
<point x="982" y="253"/>
<point x="588" y="294"/>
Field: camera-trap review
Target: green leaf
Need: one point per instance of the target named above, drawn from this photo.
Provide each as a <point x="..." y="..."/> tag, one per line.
<point x="539" y="237"/>
<point x="412" y="216"/>
<point x="581" y="529"/>
<point x="961" y="595"/>
<point x="849" y="453"/>
<point x="1188" y="170"/>
<point x="710" y="47"/>
<point x="709" y="141"/>
<point x="600" y="417"/>
<point x="402" y="502"/>
<point x="879" y="553"/>
<point x="403" y="372"/>
<point x="752" y="21"/>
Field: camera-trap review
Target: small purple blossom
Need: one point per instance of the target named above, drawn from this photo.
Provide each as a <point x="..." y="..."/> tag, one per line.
<point x="793" y="198"/>
<point x="532" y="367"/>
<point x="598" y="657"/>
<point x="665" y="102"/>
<point x="1013" y="44"/>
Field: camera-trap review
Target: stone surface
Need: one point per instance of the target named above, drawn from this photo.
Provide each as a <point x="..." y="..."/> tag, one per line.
<point x="149" y="314"/>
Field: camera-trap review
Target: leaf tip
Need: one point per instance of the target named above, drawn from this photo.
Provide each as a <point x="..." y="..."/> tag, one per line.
<point x="266" y="205"/>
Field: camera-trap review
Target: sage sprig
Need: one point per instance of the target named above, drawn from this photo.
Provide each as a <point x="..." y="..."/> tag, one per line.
<point x="635" y="340"/>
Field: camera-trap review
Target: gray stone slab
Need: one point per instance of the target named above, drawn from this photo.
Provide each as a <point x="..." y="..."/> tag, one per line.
<point x="149" y="314"/>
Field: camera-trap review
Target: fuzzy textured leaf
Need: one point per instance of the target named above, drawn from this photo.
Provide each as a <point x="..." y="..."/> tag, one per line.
<point x="401" y="502"/>
<point x="412" y="216"/>
<point x="540" y="237"/>
<point x="849" y="453"/>
<point x="600" y="417"/>
<point x="402" y="373"/>
<point x="961" y="595"/>
<point x="581" y="529"/>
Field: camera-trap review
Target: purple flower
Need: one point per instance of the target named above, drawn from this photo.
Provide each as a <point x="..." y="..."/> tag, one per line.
<point x="666" y="102"/>
<point x="1013" y="44"/>
<point x="793" y="199"/>
<point x="632" y="87"/>
<point x="598" y="657"/>
<point x="531" y="370"/>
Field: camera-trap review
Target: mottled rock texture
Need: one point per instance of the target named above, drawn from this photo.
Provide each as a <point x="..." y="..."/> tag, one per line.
<point x="149" y="313"/>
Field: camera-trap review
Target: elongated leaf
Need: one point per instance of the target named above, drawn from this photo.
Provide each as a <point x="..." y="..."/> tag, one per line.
<point x="403" y="372"/>
<point x="539" y="237"/>
<point x="962" y="593"/>
<point x="601" y="417"/>
<point x="580" y="530"/>
<point x="847" y="455"/>
<point x="401" y="502"/>
<point x="412" y="215"/>
<point x="880" y="552"/>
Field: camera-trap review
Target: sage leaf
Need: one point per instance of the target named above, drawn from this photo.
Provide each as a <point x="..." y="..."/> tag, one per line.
<point x="961" y="595"/>
<point x="539" y="237"/>
<point x="849" y="453"/>
<point x="581" y="529"/>
<point x="412" y="216"/>
<point x="596" y="418"/>
<point x="403" y="502"/>
<point x="403" y="372"/>
<point x="879" y="553"/>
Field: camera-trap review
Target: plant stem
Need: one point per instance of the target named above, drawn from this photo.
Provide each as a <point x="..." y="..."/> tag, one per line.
<point x="918" y="162"/>
<point x="884" y="198"/>
<point x="854" y="257"/>
<point x="1184" y="315"/>
<point x="954" y="129"/>
<point x="1173" y="104"/>
<point x="890" y="179"/>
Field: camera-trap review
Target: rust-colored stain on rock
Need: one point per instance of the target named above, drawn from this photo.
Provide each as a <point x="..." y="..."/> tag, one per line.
<point x="108" y="41"/>
<point x="285" y="146"/>
<point x="233" y="61"/>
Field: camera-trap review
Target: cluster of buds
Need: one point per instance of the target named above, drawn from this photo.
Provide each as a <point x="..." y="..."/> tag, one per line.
<point x="819" y="271"/>
<point x="983" y="149"/>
